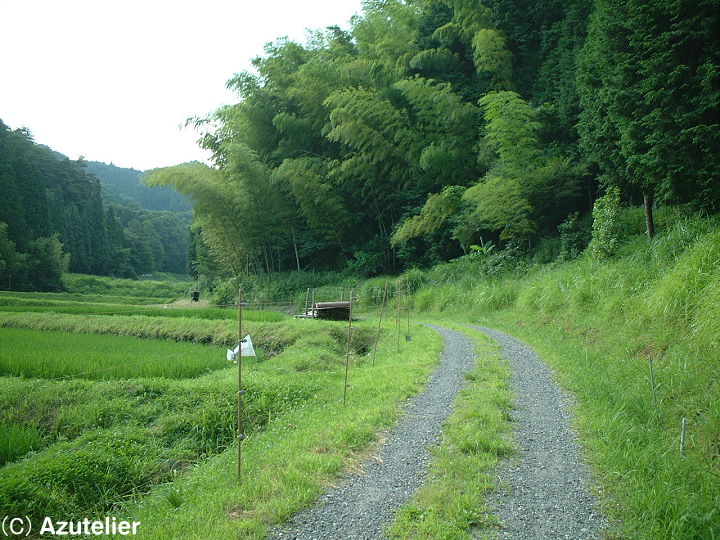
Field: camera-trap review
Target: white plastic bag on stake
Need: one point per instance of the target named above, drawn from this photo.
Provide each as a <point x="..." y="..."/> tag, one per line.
<point x="247" y="349"/>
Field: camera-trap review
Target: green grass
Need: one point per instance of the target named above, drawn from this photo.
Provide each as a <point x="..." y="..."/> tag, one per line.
<point x="289" y="463"/>
<point x="13" y="305"/>
<point x="599" y="325"/>
<point x="105" y="441"/>
<point x="86" y="284"/>
<point x="32" y="353"/>
<point x="271" y="336"/>
<point x="162" y="449"/>
<point x="10" y="298"/>
<point x="450" y="505"/>
<point x="16" y="440"/>
<point x="110" y="445"/>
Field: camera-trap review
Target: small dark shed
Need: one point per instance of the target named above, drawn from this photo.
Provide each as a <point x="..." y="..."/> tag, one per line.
<point x="333" y="311"/>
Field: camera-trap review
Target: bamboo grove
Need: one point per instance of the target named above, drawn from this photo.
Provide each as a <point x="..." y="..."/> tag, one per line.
<point x="430" y="127"/>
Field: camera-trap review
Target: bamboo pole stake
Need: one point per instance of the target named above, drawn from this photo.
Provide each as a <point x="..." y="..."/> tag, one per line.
<point x="312" y="306"/>
<point x="682" y="435"/>
<point x="240" y="434"/>
<point x="652" y="382"/>
<point x="347" y="354"/>
<point x="409" y="308"/>
<point x="397" y="313"/>
<point x="377" y="334"/>
<point x="307" y="298"/>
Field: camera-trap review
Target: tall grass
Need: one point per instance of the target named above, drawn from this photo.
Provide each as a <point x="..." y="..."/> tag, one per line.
<point x="105" y="441"/>
<point x="601" y="325"/>
<point x="16" y="440"/>
<point x="272" y="337"/>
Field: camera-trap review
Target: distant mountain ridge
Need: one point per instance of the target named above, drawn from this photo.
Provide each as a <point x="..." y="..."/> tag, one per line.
<point x="123" y="186"/>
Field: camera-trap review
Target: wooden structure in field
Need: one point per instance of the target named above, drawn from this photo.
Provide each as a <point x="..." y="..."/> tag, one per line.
<point x="332" y="311"/>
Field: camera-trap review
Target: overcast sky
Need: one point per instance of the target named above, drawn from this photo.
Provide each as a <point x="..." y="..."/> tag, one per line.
<point x="113" y="80"/>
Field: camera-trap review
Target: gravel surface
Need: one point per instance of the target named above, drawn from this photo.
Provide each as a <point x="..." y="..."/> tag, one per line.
<point x="363" y="505"/>
<point x="545" y="494"/>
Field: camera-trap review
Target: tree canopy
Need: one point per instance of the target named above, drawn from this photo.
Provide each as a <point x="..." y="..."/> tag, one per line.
<point x="427" y="127"/>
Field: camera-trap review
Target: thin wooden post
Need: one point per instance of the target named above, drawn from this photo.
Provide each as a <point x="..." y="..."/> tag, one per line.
<point x="297" y="258"/>
<point x="409" y="308"/>
<point x="240" y="434"/>
<point x="307" y="298"/>
<point x="377" y="334"/>
<point x="347" y="354"/>
<point x="312" y="307"/>
<point x="397" y="313"/>
<point x="682" y="435"/>
<point x="652" y="382"/>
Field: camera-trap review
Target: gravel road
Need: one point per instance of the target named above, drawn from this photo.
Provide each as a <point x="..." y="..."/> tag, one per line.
<point x="363" y="505"/>
<point x="546" y="493"/>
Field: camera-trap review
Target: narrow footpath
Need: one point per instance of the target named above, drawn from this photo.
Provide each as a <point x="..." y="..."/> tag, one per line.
<point x="544" y="488"/>
<point x="363" y="505"/>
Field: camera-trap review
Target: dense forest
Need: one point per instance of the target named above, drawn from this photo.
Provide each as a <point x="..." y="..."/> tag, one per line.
<point x="54" y="219"/>
<point x="427" y="131"/>
<point x="122" y="186"/>
<point x="431" y="129"/>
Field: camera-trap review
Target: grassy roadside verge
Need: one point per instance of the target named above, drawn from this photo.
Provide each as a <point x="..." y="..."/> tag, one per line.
<point x="450" y="505"/>
<point x="300" y="452"/>
<point x="632" y="441"/>
<point x="601" y="326"/>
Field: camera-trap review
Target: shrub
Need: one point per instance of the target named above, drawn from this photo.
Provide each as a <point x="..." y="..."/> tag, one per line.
<point x="574" y="236"/>
<point x="606" y="229"/>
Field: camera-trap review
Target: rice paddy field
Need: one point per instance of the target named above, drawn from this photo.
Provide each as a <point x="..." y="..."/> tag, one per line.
<point x="116" y="399"/>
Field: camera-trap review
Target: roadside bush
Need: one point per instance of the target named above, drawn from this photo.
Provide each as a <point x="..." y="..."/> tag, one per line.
<point x="574" y="236"/>
<point x="606" y="229"/>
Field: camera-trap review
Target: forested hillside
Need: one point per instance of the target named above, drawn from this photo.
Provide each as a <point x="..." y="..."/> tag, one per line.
<point x="53" y="220"/>
<point x="122" y="186"/>
<point x="433" y="128"/>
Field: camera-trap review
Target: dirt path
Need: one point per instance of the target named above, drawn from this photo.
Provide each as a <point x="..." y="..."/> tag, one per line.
<point x="545" y="494"/>
<point x="363" y="505"/>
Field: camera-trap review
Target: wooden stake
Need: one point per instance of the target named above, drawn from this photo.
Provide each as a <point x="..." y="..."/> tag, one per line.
<point x="240" y="434"/>
<point x="312" y="306"/>
<point x="307" y="298"/>
<point x="409" y="307"/>
<point x="377" y="334"/>
<point x="347" y="354"/>
<point x="652" y="382"/>
<point x="397" y="313"/>
<point x="682" y="435"/>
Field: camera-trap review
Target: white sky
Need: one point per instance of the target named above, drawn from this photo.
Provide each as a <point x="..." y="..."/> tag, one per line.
<point x="113" y="80"/>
